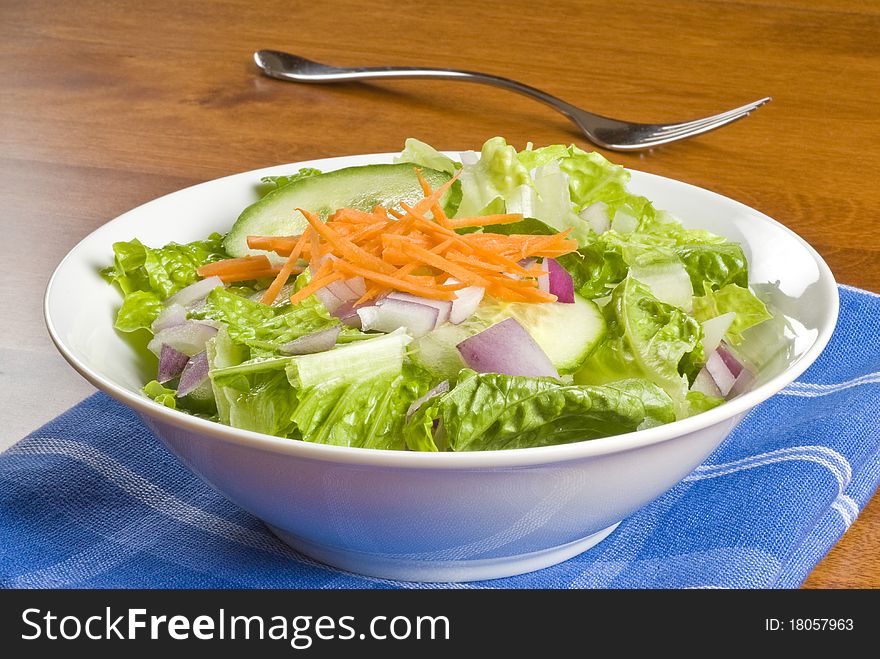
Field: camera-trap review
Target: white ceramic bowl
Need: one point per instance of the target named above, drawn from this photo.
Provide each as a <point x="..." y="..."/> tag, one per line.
<point x="421" y="516"/>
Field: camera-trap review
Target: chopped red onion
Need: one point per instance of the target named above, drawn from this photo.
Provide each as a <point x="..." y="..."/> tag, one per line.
<point x="719" y="371"/>
<point x="444" y="307"/>
<point x="358" y="285"/>
<point x="742" y="384"/>
<point x="342" y="290"/>
<point x="189" y="338"/>
<point x="561" y="284"/>
<point x="347" y="314"/>
<point x="328" y="299"/>
<point x="419" y="319"/>
<point x="171" y="364"/>
<point x="194" y="292"/>
<point x="194" y="374"/>
<point x="506" y="348"/>
<point x="704" y="383"/>
<point x="441" y="388"/>
<point x="315" y="342"/>
<point x="544" y="280"/>
<point x="171" y="315"/>
<point x="730" y="361"/>
<point x="465" y="303"/>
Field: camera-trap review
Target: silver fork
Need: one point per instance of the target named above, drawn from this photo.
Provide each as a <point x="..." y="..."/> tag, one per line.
<point x="606" y="132"/>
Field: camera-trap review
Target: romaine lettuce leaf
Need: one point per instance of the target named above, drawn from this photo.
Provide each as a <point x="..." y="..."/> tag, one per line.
<point x="354" y="395"/>
<point x="697" y="402"/>
<point x="717" y="264"/>
<point x="271" y="183"/>
<point x="159" y="272"/>
<point x="138" y="311"/>
<point x="749" y="309"/>
<point x="363" y="412"/>
<point x="160" y="394"/>
<point x="264" y="329"/>
<point x="646" y="339"/>
<point x="488" y="411"/>
<point x="419" y="153"/>
<point x="493" y="178"/>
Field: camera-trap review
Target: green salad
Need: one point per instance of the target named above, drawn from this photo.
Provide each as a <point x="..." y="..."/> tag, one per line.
<point x="514" y="299"/>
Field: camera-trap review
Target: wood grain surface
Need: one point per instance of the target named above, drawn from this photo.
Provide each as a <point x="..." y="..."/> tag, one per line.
<point x="105" y="105"/>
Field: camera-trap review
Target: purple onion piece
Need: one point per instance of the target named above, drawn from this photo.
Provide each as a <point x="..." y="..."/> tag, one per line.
<point x="561" y="284"/>
<point x="732" y="363"/>
<point x="315" y="342"/>
<point x="441" y="388"/>
<point x="189" y="338"/>
<point x="328" y="299"/>
<point x="506" y="348"/>
<point x="194" y="374"/>
<point x="342" y="290"/>
<point x="742" y="384"/>
<point x="705" y="383"/>
<point x="419" y="319"/>
<point x="444" y="307"/>
<point x="171" y="315"/>
<point x="347" y="314"/>
<point x="720" y="373"/>
<point x="194" y="292"/>
<point x="544" y="280"/>
<point x="358" y="285"/>
<point x="171" y="364"/>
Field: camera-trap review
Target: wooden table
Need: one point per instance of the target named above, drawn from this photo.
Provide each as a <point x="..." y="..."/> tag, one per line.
<point x="104" y="106"/>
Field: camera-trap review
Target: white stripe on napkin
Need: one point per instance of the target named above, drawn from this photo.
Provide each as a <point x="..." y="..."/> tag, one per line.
<point x="838" y="465"/>
<point x="810" y="390"/>
<point x="165" y="503"/>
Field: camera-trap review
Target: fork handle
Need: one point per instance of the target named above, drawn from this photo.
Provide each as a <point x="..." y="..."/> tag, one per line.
<point x="285" y="66"/>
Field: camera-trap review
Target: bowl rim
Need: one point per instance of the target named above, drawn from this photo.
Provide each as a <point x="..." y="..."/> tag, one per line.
<point x="467" y="460"/>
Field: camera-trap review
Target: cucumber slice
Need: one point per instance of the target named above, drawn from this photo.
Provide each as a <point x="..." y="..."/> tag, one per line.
<point x="436" y="350"/>
<point x="567" y="333"/>
<point x="353" y="187"/>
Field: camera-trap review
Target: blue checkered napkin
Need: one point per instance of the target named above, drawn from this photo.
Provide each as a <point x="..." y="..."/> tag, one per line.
<point x="94" y="500"/>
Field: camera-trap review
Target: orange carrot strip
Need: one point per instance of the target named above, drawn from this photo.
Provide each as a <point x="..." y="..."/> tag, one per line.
<point x="425" y="204"/>
<point x="437" y="261"/>
<point x="396" y="213"/>
<point x="406" y="269"/>
<point x="233" y="265"/>
<point x="314" y="248"/>
<point x="347" y="248"/>
<point x="272" y="243"/>
<point x="439" y="216"/>
<point x="352" y="215"/>
<point x="271" y="293"/>
<point x="392" y="282"/>
<point x="228" y="278"/>
<point x="316" y="284"/>
<point x="485" y="220"/>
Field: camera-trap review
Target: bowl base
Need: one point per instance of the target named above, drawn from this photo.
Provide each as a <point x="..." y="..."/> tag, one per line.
<point x="403" y="569"/>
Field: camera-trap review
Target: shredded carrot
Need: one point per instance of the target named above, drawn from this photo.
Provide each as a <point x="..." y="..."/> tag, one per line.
<point x="286" y="270"/>
<point x="314" y="285"/>
<point x="485" y="220"/>
<point x="436" y="210"/>
<point x="281" y="245"/>
<point x="415" y="249"/>
<point x="402" y="284"/>
<point x="230" y="266"/>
